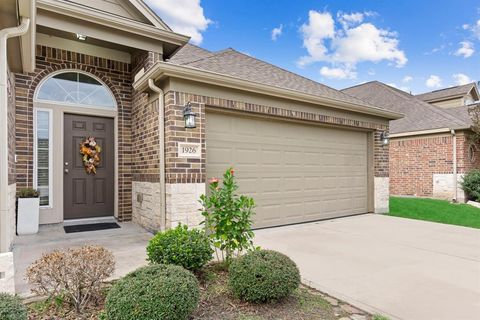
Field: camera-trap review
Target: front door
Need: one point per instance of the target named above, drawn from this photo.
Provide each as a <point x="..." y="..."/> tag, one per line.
<point x="87" y="195"/>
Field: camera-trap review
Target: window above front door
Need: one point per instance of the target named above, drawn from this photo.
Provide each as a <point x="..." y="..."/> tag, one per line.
<point x="75" y="88"/>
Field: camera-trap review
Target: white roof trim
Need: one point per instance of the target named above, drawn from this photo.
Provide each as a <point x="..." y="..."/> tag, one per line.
<point x="148" y="13"/>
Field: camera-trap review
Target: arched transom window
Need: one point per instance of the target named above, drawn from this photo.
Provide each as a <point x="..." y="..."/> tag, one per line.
<point x="76" y="88"/>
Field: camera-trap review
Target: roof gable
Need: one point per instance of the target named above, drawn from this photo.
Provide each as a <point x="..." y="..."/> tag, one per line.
<point x="450" y="93"/>
<point x="135" y="10"/>
<point x="419" y="115"/>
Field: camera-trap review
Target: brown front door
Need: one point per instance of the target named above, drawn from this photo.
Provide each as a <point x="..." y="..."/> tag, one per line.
<point x="87" y="195"/>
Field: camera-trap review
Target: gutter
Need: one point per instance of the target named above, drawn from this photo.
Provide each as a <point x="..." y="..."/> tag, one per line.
<point x="162" y="69"/>
<point x="161" y="139"/>
<point x="454" y="150"/>
<point x="5" y="34"/>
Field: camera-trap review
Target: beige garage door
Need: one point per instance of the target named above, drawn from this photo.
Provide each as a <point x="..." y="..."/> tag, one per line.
<point x="294" y="172"/>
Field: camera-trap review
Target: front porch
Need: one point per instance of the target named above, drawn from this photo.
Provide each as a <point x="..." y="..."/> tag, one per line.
<point x="127" y="244"/>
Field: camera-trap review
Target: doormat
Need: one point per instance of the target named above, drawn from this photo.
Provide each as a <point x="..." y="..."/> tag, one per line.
<point x="91" y="227"/>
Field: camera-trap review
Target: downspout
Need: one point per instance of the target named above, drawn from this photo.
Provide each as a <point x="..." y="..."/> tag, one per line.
<point x="5" y="34"/>
<point x="161" y="139"/>
<point x="454" y="146"/>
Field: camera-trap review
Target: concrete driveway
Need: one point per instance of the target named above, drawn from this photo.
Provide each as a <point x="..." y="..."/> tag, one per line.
<point x="401" y="268"/>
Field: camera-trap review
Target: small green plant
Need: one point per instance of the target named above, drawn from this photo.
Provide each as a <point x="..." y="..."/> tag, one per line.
<point x="263" y="276"/>
<point x="190" y="249"/>
<point x="157" y="291"/>
<point x="12" y="308"/>
<point x="27" y="193"/>
<point x="471" y="184"/>
<point x="228" y="217"/>
<point x="379" y="317"/>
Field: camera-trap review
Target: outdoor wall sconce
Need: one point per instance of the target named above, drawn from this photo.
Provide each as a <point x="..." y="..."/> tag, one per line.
<point x="189" y="116"/>
<point x="81" y="37"/>
<point x="385" y="138"/>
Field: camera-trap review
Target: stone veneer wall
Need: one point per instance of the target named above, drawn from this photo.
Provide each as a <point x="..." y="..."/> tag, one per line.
<point x="185" y="178"/>
<point x="423" y="166"/>
<point x="116" y="75"/>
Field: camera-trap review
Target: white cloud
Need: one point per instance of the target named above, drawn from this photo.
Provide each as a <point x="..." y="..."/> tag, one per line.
<point x="183" y="16"/>
<point x="277" y="32"/>
<point x="466" y="49"/>
<point x="337" y="73"/>
<point x="433" y="82"/>
<point x="407" y="79"/>
<point x="461" y="79"/>
<point x="320" y="27"/>
<point x="474" y="28"/>
<point x="356" y="41"/>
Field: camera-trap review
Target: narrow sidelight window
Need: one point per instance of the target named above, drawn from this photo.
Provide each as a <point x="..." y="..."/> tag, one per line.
<point x="43" y="155"/>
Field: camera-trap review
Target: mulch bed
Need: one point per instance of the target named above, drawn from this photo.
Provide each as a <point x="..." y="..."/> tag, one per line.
<point x="217" y="302"/>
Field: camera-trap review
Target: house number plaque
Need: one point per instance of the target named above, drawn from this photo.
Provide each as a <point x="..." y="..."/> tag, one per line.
<point x="189" y="150"/>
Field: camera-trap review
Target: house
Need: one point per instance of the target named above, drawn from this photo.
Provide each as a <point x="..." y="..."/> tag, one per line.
<point x="430" y="149"/>
<point x="169" y="115"/>
<point x="452" y="97"/>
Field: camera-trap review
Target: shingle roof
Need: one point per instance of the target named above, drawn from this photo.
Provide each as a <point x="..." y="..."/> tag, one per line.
<point x="461" y="113"/>
<point x="236" y="64"/>
<point x="419" y="115"/>
<point x="446" y="93"/>
<point x="189" y="53"/>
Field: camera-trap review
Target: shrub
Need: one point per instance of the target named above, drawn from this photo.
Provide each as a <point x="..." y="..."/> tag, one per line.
<point x="471" y="184"/>
<point x="263" y="276"/>
<point x="157" y="291"/>
<point x="76" y="274"/>
<point x="12" y="308"/>
<point x="27" y="193"/>
<point x="190" y="249"/>
<point x="228" y="216"/>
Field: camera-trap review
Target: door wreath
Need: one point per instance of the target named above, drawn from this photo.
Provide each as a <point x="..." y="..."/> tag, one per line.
<point x="90" y="151"/>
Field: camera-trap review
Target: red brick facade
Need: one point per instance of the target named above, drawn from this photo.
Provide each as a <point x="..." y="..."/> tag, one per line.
<point x="116" y="75"/>
<point x="414" y="161"/>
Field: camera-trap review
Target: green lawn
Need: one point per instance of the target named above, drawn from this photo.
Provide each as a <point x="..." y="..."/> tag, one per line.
<point x="436" y="211"/>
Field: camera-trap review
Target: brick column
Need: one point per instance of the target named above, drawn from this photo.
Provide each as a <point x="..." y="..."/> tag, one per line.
<point x="381" y="178"/>
<point x="184" y="177"/>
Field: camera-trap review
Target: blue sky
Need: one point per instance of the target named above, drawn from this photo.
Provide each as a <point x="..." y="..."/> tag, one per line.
<point x="417" y="46"/>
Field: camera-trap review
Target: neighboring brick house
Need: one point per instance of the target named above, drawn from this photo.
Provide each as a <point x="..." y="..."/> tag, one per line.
<point x="453" y="96"/>
<point x="114" y="71"/>
<point x="430" y="149"/>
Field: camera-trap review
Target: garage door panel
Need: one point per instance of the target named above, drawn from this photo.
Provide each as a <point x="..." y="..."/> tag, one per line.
<point x="294" y="172"/>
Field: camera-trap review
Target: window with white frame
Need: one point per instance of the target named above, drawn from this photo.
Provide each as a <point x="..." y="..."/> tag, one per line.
<point x="43" y="155"/>
<point x="76" y="88"/>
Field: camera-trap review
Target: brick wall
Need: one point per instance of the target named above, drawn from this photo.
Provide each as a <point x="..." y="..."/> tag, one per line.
<point x="414" y="162"/>
<point x="116" y="75"/>
<point x="146" y="190"/>
<point x="380" y="156"/>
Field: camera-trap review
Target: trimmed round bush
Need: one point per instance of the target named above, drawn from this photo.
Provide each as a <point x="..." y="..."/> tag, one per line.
<point x="190" y="249"/>
<point x="12" y="308"/>
<point x="154" y="292"/>
<point x="471" y="184"/>
<point x="263" y="276"/>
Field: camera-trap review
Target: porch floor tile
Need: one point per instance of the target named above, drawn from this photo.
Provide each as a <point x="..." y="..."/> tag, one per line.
<point x="127" y="244"/>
